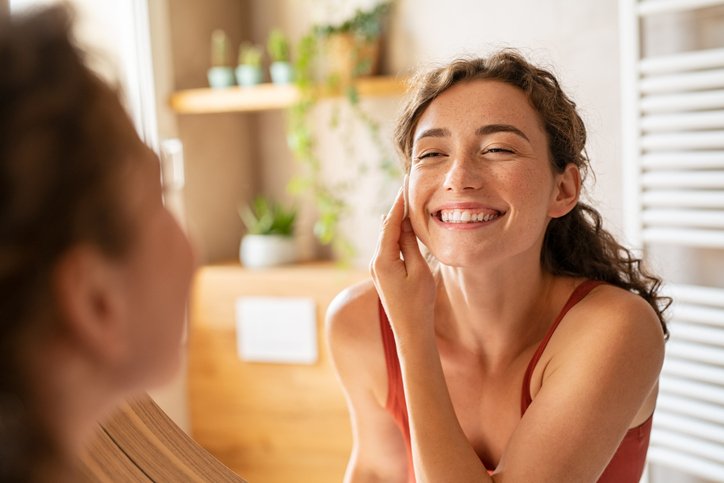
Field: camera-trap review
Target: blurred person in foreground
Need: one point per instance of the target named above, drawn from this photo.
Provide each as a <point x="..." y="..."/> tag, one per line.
<point x="94" y="271"/>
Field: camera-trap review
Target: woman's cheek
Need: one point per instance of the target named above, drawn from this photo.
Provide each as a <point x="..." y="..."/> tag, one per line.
<point x="420" y="189"/>
<point x="420" y="220"/>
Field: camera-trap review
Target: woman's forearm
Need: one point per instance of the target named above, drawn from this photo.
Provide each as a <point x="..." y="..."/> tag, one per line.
<point x="441" y="451"/>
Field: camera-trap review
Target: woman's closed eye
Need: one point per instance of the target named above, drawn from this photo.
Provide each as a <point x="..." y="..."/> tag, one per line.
<point x="428" y="155"/>
<point x="498" y="150"/>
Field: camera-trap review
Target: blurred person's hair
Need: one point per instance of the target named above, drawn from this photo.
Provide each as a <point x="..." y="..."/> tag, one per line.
<point x="65" y="142"/>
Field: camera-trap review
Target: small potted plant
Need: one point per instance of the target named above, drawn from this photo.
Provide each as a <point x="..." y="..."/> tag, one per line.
<point x="281" y="67"/>
<point x="220" y="74"/>
<point x="248" y="72"/>
<point x="353" y="46"/>
<point x="269" y="240"/>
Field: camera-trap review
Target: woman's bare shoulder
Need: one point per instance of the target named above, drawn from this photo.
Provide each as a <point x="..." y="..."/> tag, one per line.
<point x="618" y="311"/>
<point x="615" y="318"/>
<point x="353" y="313"/>
<point x="355" y="341"/>
<point x="611" y="336"/>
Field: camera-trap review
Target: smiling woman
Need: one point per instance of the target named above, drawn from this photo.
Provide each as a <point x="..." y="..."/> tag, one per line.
<point x="529" y="333"/>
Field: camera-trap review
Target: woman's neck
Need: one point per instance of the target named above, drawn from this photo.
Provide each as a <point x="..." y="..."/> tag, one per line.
<point x="494" y="312"/>
<point x="73" y="397"/>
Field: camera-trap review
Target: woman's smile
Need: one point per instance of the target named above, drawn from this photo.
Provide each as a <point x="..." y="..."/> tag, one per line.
<point x="465" y="216"/>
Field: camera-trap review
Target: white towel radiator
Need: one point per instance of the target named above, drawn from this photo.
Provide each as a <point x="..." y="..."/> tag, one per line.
<point x="673" y="139"/>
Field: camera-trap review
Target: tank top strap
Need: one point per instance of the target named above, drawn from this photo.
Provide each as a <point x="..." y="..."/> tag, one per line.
<point x="583" y="289"/>
<point x="394" y="373"/>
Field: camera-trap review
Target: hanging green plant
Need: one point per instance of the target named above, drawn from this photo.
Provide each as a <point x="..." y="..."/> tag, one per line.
<point x="328" y="197"/>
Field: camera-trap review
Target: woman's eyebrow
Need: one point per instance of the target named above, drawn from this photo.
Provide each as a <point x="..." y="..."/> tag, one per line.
<point x="437" y="132"/>
<point x="493" y="128"/>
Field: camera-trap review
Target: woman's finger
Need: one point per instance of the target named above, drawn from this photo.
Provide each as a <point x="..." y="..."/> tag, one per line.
<point x="409" y="247"/>
<point x="405" y="188"/>
<point x="388" y="247"/>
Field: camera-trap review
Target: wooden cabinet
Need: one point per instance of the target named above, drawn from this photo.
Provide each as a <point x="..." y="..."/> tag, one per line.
<point x="271" y="423"/>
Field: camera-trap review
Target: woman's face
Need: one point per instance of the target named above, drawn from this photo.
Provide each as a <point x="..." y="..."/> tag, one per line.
<point x="157" y="274"/>
<point x="481" y="186"/>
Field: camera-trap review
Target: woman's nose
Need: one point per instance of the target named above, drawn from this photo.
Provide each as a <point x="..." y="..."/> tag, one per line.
<point x="462" y="175"/>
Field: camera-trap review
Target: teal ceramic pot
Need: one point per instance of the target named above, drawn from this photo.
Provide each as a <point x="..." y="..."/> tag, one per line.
<point x="220" y="77"/>
<point x="247" y="75"/>
<point x="281" y="72"/>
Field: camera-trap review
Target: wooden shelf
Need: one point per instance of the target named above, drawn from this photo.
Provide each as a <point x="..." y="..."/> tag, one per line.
<point x="264" y="97"/>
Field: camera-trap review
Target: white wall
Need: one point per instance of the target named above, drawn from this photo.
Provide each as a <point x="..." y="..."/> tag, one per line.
<point x="578" y="39"/>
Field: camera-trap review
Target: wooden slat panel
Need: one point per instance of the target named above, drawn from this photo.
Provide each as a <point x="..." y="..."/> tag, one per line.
<point x="104" y="460"/>
<point x="140" y="443"/>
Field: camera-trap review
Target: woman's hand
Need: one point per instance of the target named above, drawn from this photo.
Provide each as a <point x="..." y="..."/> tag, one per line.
<point x="440" y="450"/>
<point x="405" y="285"/>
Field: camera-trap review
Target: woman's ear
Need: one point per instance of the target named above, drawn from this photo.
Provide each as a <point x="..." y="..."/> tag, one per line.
<point x="566" y="191"/>
<point x="89" y="300"/>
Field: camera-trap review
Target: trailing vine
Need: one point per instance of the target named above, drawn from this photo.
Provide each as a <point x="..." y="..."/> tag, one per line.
<point x="330" y="204"/>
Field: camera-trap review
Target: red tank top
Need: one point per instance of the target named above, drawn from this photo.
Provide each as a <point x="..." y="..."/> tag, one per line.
<point x="626" y="465"/>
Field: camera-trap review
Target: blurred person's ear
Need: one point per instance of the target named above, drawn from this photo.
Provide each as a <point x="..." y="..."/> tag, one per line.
<point x="89" y="299"/>
<point x="566" y="191"/>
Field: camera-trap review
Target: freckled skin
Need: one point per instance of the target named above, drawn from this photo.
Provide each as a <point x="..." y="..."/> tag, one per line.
<point x="500" y="170"/>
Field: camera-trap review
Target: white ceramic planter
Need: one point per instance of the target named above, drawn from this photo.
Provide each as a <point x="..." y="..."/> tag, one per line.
<point x="247" y="75"/>
<point x="220" y="77"/>
<point x="258" y="251"/>
<point x="281" y="73"/>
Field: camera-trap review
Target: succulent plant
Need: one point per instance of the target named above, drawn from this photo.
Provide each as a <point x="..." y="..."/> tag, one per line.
<point x="266" y="217"/>
<point x="278" y="46"/>
<point x="365" y="24"/>
<point x="219" y="49"/>
<point x="250" y="54"/>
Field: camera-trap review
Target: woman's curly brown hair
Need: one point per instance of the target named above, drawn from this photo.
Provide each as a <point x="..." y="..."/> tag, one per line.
<point x="575" y="244"/>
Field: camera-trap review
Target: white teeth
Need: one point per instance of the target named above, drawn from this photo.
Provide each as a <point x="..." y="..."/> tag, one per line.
<point x="465" y="216"/>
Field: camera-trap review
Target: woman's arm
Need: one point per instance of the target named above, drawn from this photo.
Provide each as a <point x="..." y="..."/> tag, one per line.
<point x="603" y="371"/>
<point x="440" y="450"/>
<point x="353" y="335"/>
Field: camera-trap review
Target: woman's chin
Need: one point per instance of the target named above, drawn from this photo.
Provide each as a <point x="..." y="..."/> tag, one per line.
<point x="458" y="260"/>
